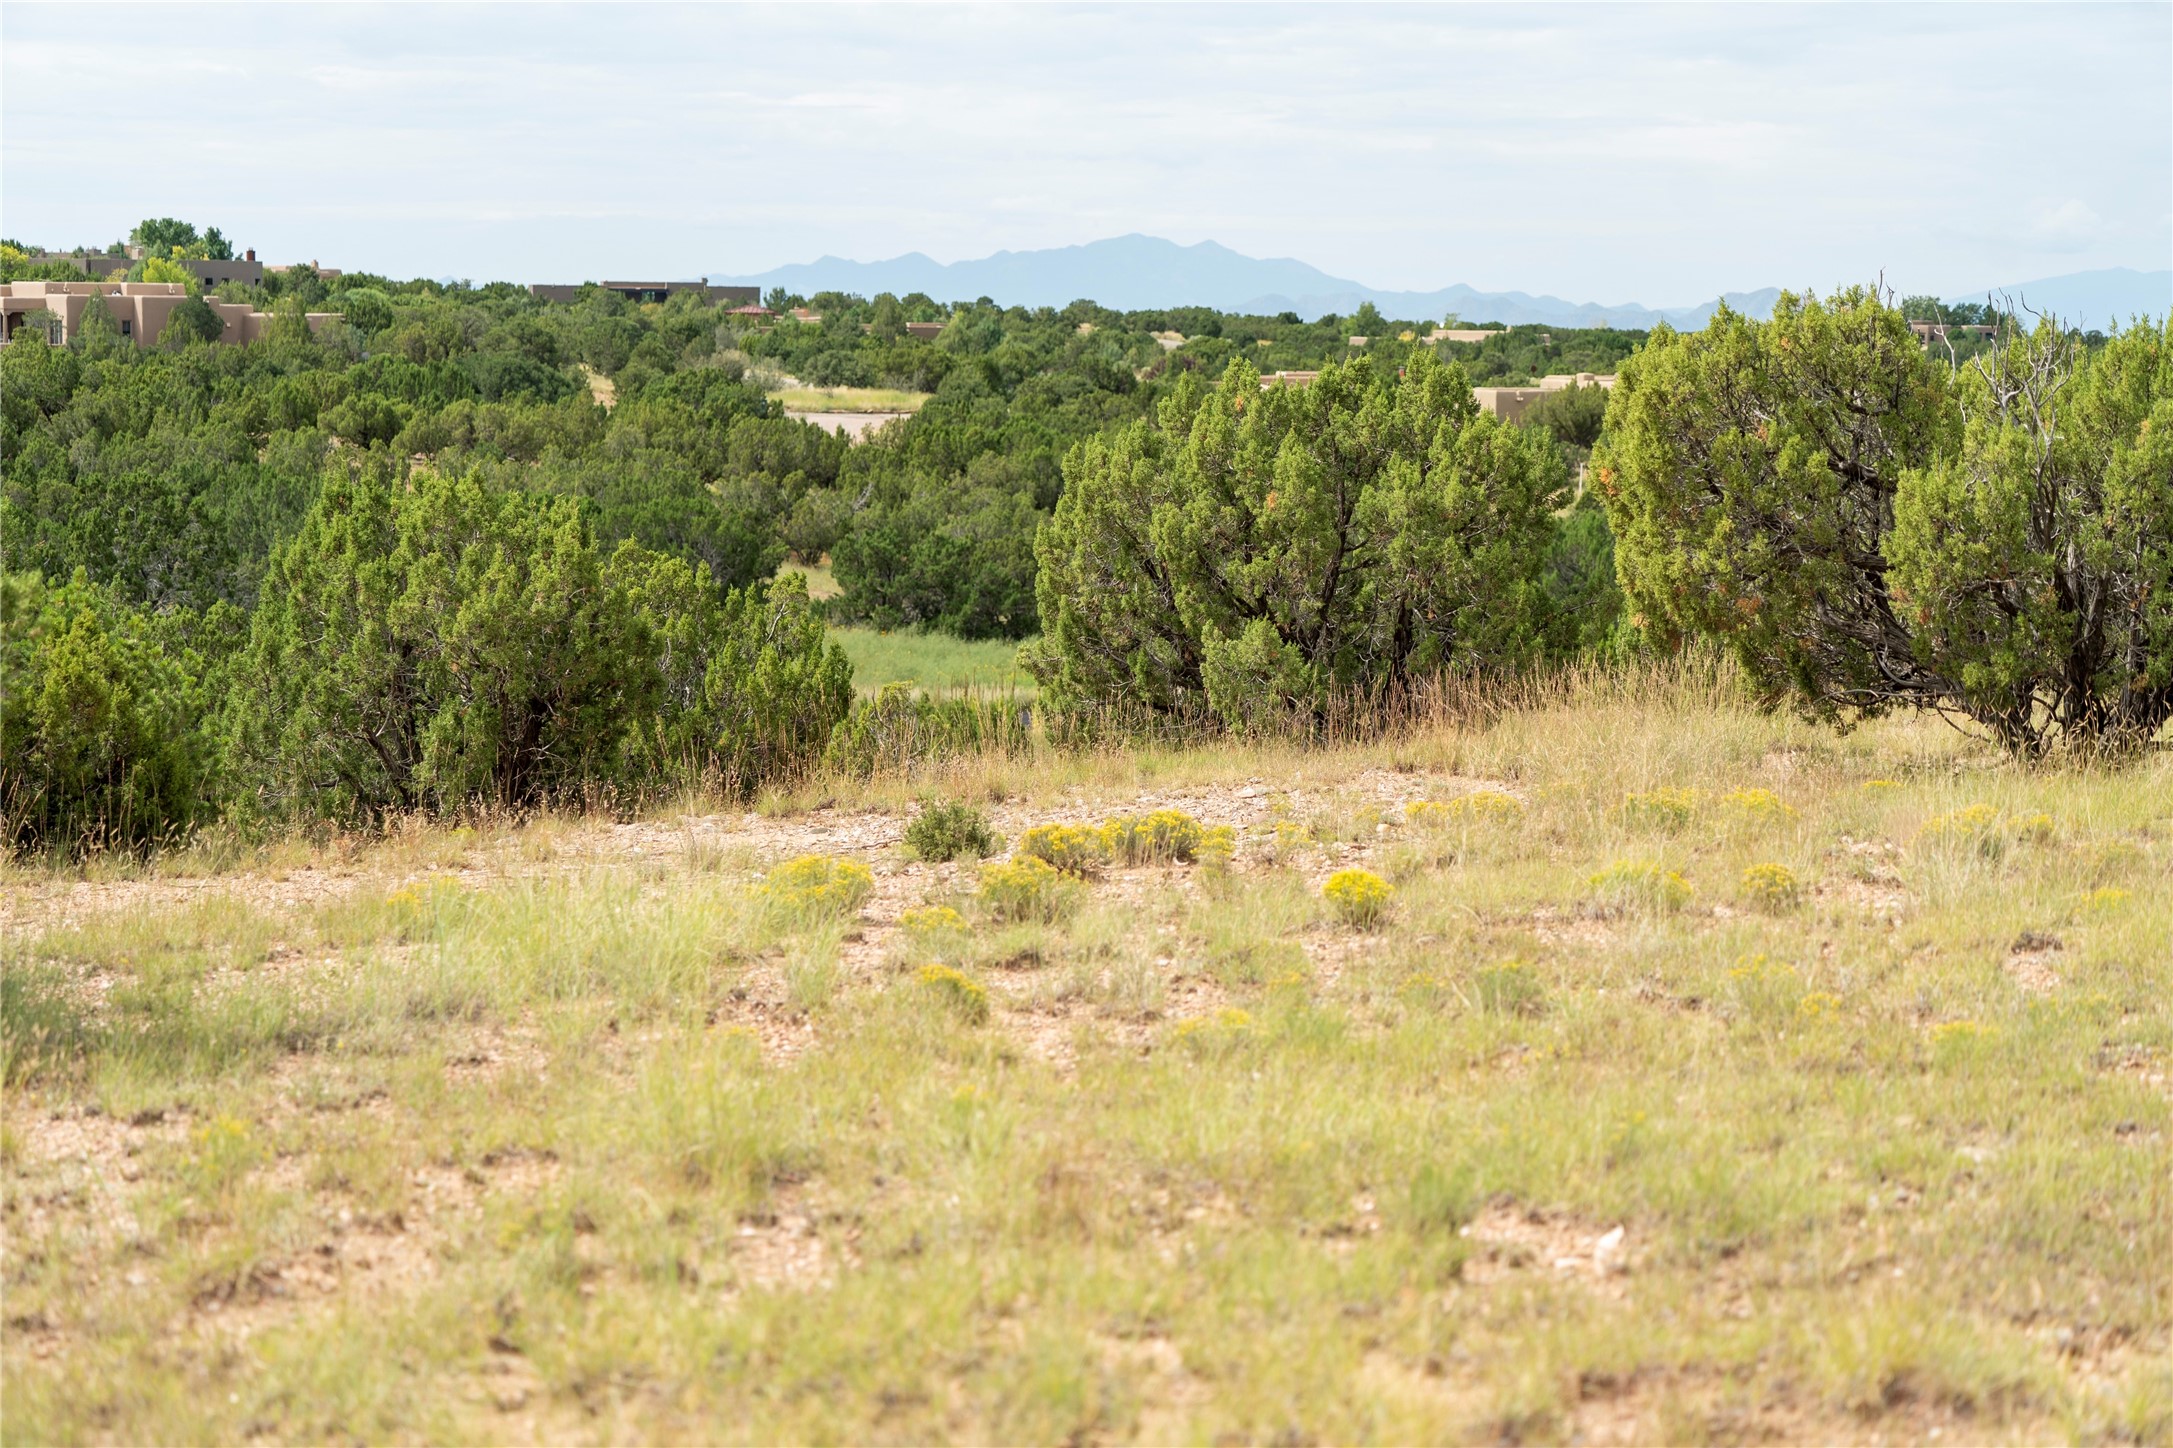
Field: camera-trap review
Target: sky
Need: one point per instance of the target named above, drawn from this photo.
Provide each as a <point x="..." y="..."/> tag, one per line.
<point x="1611" y="153"/>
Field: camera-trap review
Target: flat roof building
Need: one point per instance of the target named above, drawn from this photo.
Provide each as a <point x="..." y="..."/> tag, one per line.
<point x="140" y="309"/>
<point x="245" y="269"/>
<point x="1511" y="403"/>
<point x="645" y="291"/>
<point x="98" y="265"/>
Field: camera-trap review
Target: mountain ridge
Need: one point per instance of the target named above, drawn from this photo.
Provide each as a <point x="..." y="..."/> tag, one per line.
<point x="1136" y="272"/>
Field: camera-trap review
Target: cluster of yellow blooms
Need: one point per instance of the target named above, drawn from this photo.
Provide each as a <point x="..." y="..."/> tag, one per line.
<point x="1359" y="896"/>
<point x="1644" y="883"/>
<point x="1756" y="804"/>
<point x="1074" y="849"/>
<point x="1027" y="888"/>
<point x="821" y="885"/>
<point x="1771" y="887"/>
<point x="967" y="998"/>
<point x="1985" y="828"/>
<point x="1660" y="808"/>
<point x="1954" y="1041"/>
<point x="1161" y="836"/>
<point x="1225" y="1027"/>
<point x="931" y="920"/>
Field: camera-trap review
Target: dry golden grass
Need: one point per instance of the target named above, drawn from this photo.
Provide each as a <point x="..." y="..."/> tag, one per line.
<point x="563" y="1130"/>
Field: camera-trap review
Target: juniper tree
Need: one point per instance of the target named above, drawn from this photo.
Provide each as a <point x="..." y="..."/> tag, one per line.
<point x="1868" y="527"/>
<point x="1259" y="552"/>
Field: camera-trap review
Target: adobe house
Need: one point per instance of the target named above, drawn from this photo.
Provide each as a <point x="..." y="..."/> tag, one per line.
<point x="646" y="291"/>
<point x="1511" y="403"/>
<point x="140" y="309"/>
<point x="245" y="269"/>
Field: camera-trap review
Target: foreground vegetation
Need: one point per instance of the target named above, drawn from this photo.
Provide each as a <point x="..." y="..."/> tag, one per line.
<point x="1697" y="1075"/>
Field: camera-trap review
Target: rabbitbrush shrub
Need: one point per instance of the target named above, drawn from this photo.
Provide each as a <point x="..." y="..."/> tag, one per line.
<point x="1360" y="897"/>
<point x="1165" y="834"/>
<point x="818" y="887"/>
<point x="1027" y="888"/>
<point x="1074" y="849"/>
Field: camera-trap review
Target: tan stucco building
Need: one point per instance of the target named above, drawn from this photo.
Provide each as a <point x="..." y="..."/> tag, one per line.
<point x="140" y="309"/>
<point x="1511" y="403"/>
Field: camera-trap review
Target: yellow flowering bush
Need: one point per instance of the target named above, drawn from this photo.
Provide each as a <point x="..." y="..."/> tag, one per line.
<point x="1642" y="883"/>
<point x="1166" y="834"/>
<point x="932" y="920"/>
<point x="2036" y="828"/>
<point x="963" y="997"/>
<point x="1818" y="1006"/>
<point x="1218" y="845"/>
<point x="1224" y="1029"/>
<point x="1985" y="829"/>
<point x="1973" y="822"/>
<point x="1666" y="809"/>
<point x="1289" y="838"/>
<point x="1756" y="805"/>
<point x="224" y="1151"/>
<point x="2105" y="898"/>
<point x="1074" y="849"/>
<point x="1771" y="887"/>
<point x="818" y="886"/>
<point x="1027" y="888"/>
<point x="1359" y="896"/>
<point x="1481" y="806"/>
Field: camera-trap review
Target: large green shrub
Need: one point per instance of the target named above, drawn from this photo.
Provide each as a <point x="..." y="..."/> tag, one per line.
<point x="101" y="720"/>
<point x="1259" y="552"/>
<point x="419" y="648"/>
<point x="446" y="644"/>
<point x="1867" y="530"/>
<point x="2033" y="566"/>
<point x="750" y="687"/>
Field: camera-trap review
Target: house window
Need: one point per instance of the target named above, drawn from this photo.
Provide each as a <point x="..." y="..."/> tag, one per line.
<point x="128" y="327"/>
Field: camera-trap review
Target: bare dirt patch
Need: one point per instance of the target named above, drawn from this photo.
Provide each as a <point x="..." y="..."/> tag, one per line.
<point x="1507" y="1240"/>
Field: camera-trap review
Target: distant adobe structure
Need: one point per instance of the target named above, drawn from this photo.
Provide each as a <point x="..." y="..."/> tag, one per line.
<point x="140" y="309"/>
<point x="646" y="291"/>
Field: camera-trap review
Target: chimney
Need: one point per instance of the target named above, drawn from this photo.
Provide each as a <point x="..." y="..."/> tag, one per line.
<point x="250" y="254"/>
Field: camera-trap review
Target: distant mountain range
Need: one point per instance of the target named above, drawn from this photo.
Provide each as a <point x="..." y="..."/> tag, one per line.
<point x="1131" y="273"/>
<point x="2101" y="299"/>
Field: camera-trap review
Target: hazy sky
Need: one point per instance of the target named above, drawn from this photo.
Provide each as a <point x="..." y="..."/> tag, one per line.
<point x="1604" y="153"/>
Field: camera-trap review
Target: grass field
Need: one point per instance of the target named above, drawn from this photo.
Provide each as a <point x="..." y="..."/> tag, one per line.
<point x="849" y="399"/>
<point x="821" y="583"/>
<point x="932" y="661"/>
<point x="1604" y="1131"/>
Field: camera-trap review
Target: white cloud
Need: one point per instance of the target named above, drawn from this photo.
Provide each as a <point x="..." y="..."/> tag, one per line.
<point x="1608" y="152"/>
<point x="2066" y="225"/>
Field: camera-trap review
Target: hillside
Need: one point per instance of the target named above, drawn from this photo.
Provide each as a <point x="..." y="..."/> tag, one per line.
<point x="584" y="1129"/>
<point x="1139" y="272"/>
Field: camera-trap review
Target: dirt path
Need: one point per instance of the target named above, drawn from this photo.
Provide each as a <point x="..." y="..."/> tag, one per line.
<point x="553" y="846"/>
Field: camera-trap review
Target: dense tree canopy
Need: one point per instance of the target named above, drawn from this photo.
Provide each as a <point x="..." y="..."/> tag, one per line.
<point x="1259" y="552"/>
